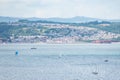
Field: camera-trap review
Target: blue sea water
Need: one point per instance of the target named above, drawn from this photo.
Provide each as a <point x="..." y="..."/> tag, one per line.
<point x="59" y="61"/>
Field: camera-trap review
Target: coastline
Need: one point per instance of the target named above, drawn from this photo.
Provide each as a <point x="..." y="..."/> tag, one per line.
<point x="76" y="43"/>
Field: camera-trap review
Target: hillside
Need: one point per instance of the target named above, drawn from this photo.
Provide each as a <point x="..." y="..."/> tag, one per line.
<point x="50" y="32"/>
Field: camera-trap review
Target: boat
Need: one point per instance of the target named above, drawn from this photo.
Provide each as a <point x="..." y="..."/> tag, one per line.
<point x="33" y="48"/>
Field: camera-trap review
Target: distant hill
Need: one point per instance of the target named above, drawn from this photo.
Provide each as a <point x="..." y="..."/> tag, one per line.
<point x="41" y="30"/>
<point x="77" y="19"/>
<point x="8" y="19"/>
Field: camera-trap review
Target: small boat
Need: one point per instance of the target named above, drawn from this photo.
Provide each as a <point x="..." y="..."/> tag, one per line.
<point x="105" y="60"/>
<point x="33" y="48"/>
<point x="95" y="73"/>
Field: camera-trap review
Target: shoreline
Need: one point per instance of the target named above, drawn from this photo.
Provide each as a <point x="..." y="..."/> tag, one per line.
<point x="77" y="43"/>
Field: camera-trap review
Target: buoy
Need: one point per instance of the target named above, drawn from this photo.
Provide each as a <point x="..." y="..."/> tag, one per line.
<point x="16" y="53"/>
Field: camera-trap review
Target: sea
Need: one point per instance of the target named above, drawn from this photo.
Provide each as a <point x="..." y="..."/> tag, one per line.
<point x="85" y="61"/>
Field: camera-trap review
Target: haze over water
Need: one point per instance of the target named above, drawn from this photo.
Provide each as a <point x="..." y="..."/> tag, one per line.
<point x="62" y="49"/>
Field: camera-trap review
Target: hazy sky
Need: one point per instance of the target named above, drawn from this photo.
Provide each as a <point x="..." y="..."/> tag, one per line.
<point x="105" y="9"/>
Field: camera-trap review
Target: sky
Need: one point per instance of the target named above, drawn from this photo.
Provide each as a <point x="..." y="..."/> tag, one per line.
<point x="103" y="9"/>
